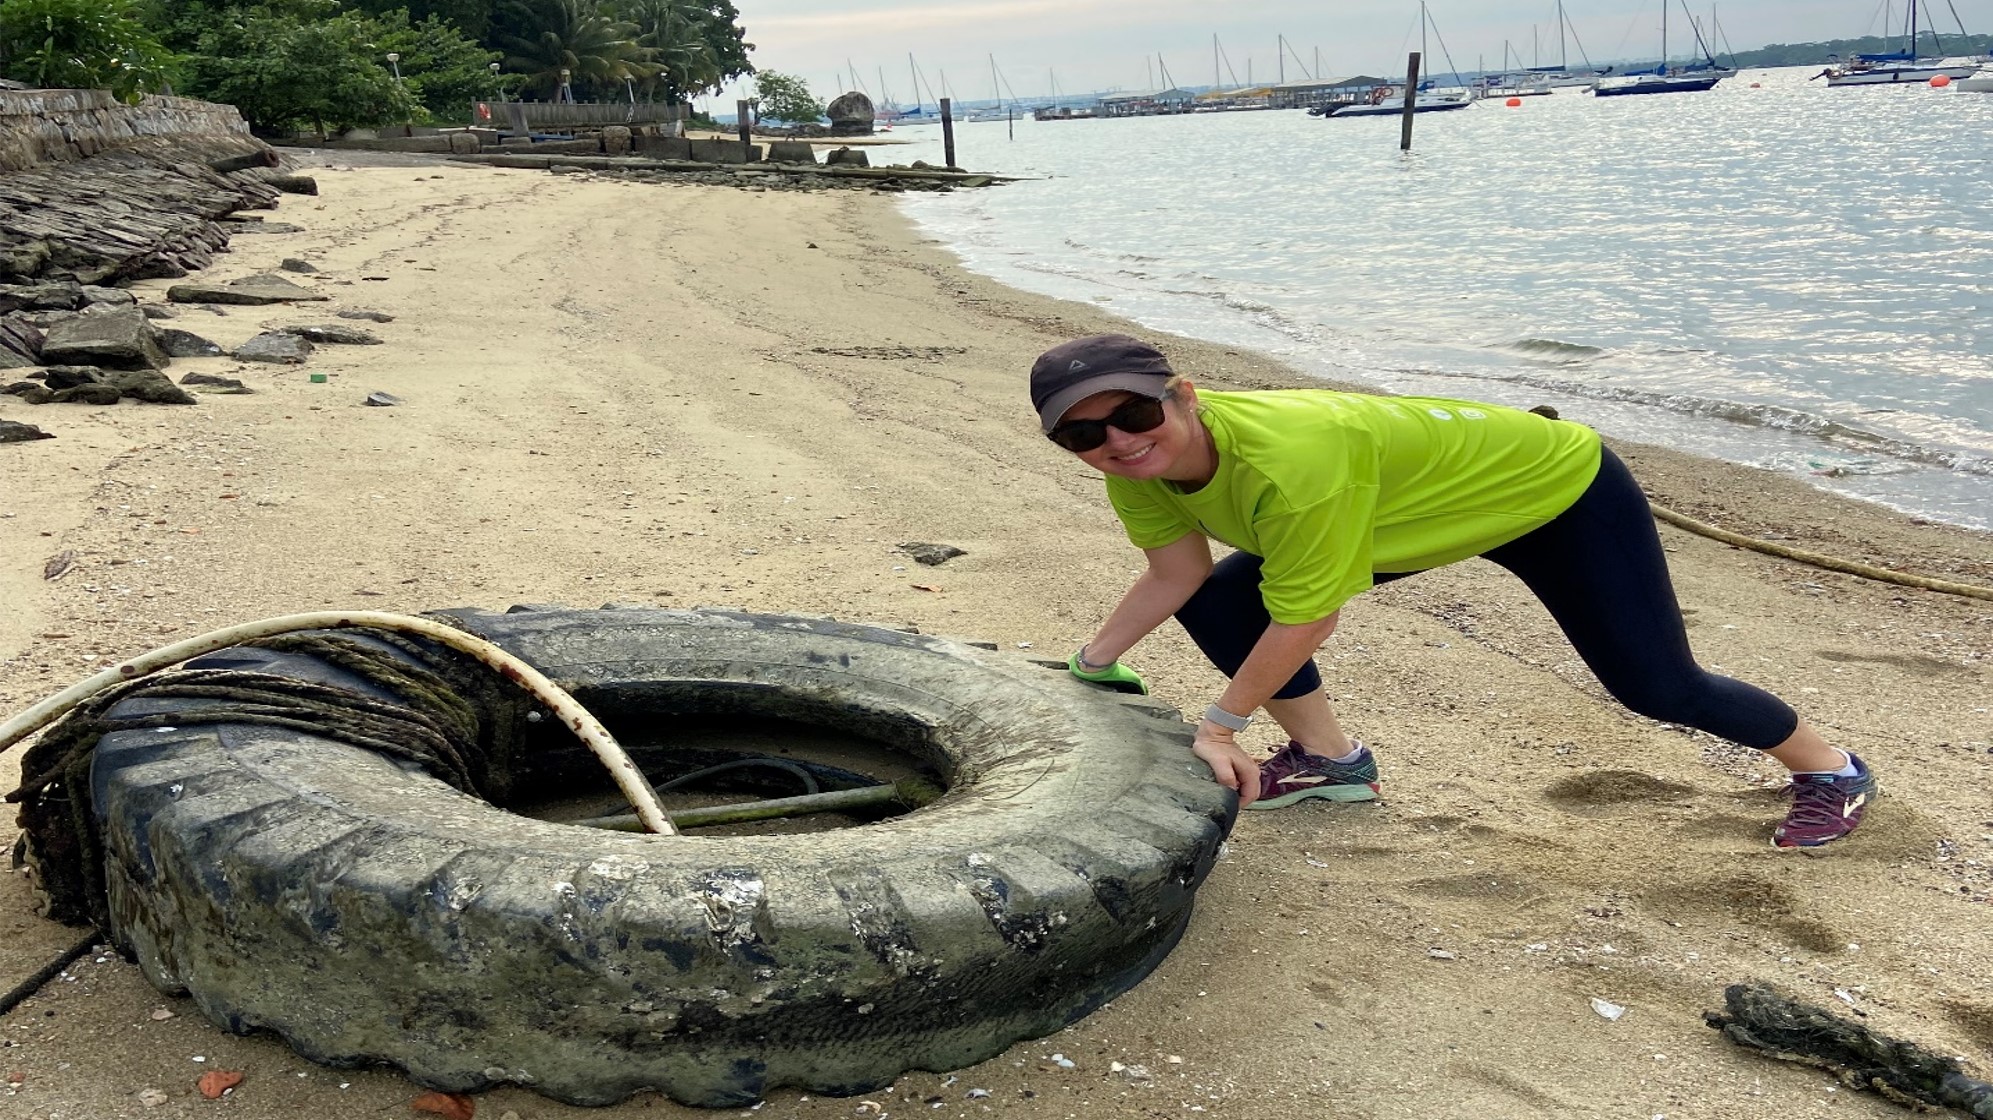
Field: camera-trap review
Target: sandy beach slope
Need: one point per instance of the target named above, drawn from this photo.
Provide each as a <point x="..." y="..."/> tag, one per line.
<point x="684" y="395"/>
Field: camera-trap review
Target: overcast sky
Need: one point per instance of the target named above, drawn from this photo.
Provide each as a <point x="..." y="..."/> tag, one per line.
<point x="1107" y="44"/>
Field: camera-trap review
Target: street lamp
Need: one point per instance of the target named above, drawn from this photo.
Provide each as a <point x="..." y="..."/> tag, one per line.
<point x="394" y="61"/>
<point x="567" y="94"/>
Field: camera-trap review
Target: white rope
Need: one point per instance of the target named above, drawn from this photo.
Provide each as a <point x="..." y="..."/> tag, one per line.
<point x="628" y="778"/>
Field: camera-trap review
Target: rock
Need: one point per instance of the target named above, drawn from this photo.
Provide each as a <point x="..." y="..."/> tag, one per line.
<point x="791" y="151"/>
<point x="187" y="344"/>
<point x="48" y="296"/>
<point x="931" y="554"/>
<point x="274" y="346"/>
<point x="262" y="288"/>
<point x="210" y="383"/>
<point x="150" y="386"/>
<point x="383" y="400"/>
<point x="465" y="144"/>
<point x="13" y="431"/>
<point x="369" y="316"/>
<point x="69" y="377"/>
<point x="20" y="343"/>
<point x="847" y="157"/>
<point x="152" y="1098"/>
<point x="850" y="115"/>
<point x="293" y="264"/>
<point x="88" y="394"/>
<point x="29" y="391"/>
<point x="93" y="293"/>
<point x="247" y="225"/>
<point x="118" y="337"/>
<point x="334" y="334"/>
<point x="156" y="311"/>
<point x="615" y="140"/>
<point x="294" y="184"/>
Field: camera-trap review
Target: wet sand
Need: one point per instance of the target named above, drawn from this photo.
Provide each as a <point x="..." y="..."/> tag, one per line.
<point x="689" y="395"/>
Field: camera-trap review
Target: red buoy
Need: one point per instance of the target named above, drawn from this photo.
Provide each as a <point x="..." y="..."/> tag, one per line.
<point x="1515" y="102"/>
<point x="1941" y="81"/>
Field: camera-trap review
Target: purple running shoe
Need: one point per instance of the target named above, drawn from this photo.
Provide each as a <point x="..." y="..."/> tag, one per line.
<point x="1825" y="807"/>
<point x="1294" y="775"/>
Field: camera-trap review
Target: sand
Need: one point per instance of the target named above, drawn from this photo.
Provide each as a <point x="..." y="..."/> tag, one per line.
<point x="619" y="392"/>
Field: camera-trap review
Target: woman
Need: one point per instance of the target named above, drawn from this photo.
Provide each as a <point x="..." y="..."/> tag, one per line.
<point x="1325" y="493"/>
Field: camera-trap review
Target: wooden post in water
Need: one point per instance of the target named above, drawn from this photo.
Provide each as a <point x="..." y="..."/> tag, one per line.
<point x="741" y="122"/>
<point x="947" y="132"/>
<point x="1411" y="101"/>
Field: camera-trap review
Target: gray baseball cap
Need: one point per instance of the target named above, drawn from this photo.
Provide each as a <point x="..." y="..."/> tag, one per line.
<point x="1072" y="371"/>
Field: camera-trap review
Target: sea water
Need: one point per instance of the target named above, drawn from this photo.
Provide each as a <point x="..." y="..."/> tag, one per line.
<point x="1772" y="272"/>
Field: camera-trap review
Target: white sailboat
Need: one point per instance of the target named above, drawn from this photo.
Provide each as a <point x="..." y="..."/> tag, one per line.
<point x="1385" y="102"/>
<point x="1905" y="65"/>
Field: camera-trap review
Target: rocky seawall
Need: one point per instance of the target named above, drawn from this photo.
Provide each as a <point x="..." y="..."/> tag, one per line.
<point x="97" y="192"/>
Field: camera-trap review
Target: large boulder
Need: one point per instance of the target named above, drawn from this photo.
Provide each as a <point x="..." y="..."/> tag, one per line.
<point x="114" y="336"/>
<point x="850" y="115"/>
<point x="263" y="288"/>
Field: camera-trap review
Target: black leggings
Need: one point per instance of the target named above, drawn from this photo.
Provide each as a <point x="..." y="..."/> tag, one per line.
<point x="1599" y="568"/>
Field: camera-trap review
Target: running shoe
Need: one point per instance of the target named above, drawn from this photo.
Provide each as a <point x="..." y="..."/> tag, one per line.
<point x="1294" y="775"/>
<point x="1825" y="807"/>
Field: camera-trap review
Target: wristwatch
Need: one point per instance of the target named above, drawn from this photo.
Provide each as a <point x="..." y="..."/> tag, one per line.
<point x="1225" y="719"/>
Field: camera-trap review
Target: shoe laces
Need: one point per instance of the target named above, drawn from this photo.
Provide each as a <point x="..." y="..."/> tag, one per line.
<point x="1815" y="804"/>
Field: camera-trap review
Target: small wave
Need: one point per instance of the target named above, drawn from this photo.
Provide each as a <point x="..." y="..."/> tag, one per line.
<point x="1550" y="348"/>
<point x="1822" y="428"/>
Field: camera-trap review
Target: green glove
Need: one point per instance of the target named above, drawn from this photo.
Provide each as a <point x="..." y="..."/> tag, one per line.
<point x="1117" y="676"/>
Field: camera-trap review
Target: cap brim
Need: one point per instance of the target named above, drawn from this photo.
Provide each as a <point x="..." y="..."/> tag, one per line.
<point x="1056" y="406"/>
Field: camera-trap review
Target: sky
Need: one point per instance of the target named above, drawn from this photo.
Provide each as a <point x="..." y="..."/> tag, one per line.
<point x="1098" y="45"/>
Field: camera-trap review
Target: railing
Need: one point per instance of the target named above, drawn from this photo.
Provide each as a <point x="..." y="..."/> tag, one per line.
<point x="536" y="115"/>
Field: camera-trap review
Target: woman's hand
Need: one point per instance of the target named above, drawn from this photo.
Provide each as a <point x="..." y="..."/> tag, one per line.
<point x="1233" y="767"/>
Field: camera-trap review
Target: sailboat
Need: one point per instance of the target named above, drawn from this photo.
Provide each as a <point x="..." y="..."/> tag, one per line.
<point x="1693" y="77"/>
<point x="1383" y="102"/>
<point x="1561" y="76"/>
<point x="1900" y="66"/>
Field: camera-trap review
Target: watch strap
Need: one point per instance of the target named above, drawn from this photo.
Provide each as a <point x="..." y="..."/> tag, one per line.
<point x="1223" y="718"/>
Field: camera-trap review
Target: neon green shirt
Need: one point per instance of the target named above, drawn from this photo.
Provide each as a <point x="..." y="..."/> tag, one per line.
<point x="1328" y="488"/>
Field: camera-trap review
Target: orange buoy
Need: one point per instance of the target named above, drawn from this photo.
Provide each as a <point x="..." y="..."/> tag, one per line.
<point x="1515" y="103"/>
<point x="1941" y="81"/>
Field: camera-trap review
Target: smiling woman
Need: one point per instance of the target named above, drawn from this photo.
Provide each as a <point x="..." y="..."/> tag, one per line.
<point x="1325" y="494"/>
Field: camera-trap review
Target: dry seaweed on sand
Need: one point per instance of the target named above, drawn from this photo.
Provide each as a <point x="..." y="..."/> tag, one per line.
<point x="1791" y="1031"/>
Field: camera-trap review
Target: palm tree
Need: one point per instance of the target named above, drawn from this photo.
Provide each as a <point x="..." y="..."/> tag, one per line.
<point x="580" y="39"/>
<point x="679" y="33"/>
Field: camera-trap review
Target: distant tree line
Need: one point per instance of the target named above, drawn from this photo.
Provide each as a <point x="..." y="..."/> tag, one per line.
<point x="1816" y="54"/>
<point x="325" y="65"/>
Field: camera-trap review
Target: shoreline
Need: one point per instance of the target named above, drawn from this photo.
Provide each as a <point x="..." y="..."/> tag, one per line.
<point x="685" y="395"/>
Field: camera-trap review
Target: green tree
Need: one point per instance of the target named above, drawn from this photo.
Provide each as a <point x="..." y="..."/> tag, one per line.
<point x="286" y="71"/>
<point x="785" y="97"/>
<point x="443" y="70"/>
<point x="87" y="44"/>
<point x="680" y="40"/>
<point x="583" y="37"/>
<point x="472" y="17"/>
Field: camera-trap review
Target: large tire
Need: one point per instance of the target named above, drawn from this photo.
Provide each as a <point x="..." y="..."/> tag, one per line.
<point x="367" y="912"/>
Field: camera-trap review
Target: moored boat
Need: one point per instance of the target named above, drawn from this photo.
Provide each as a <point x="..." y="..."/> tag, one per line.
<point x="1906" y="65"/>
<point x="1981" y="81"/>
<point x="1390" y="106"/>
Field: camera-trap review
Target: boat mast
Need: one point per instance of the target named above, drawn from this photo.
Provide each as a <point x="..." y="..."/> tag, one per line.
<point x="1664" y="38"/>
<point x="1563" y="53"/>
<point x="913" y="75"/>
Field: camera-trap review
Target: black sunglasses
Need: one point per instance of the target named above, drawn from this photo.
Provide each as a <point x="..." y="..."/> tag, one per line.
<point x="1135" y="415"/>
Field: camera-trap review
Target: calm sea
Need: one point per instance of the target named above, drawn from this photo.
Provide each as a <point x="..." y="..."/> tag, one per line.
<point x="1772" y="272"/>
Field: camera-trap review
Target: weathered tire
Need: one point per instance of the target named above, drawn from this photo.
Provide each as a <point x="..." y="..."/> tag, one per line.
<point x="368" y="913"/>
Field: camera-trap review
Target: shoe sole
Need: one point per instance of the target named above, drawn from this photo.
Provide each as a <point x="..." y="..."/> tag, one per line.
<point x="1343" y="793"/>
